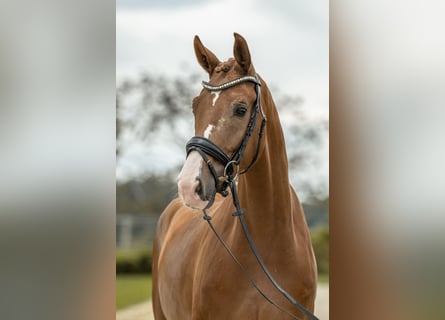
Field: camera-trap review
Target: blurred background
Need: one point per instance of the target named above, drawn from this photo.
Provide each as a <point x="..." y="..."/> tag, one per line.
<point x="63" y="66"/>
<point x="158" y="76"/>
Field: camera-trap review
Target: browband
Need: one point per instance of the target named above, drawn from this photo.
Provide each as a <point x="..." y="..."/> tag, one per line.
<point x="231" y="83"/>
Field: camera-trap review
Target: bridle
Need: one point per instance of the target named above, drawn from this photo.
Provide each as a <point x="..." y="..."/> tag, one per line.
<point x="230" y="175"/>
<point x="231" y="164"/>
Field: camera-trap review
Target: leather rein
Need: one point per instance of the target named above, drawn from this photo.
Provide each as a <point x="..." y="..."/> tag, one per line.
<point x="230" y="175"/>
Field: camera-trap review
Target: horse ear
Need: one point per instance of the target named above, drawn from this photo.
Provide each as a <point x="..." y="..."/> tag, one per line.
<point x="205" y="57"/>
<point x="241" y="53"/>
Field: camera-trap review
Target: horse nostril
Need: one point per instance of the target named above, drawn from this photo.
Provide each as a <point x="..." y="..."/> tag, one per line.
<point x="200" y="189"/>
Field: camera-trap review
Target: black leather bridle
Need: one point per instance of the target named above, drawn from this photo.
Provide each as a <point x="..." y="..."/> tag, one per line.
<point x="231" y="171"/>
<point x="206" y="147"/>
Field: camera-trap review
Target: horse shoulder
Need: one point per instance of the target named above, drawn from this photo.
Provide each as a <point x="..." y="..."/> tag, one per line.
<point x="173" y="254"/>
<point x="164" y="222"/>
<point x="166" y="217"/>
<point x="174" y="229"/>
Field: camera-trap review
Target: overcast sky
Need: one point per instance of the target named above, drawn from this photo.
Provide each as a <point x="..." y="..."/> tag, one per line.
<point x="288" y="42"/>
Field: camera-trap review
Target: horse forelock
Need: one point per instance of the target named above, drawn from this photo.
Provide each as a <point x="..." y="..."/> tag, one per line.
<point x="228" y="70"/>
<point x="225" y="66"/>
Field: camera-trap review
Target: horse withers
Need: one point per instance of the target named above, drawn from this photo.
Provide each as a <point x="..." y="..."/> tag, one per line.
<point x="233" y="160"/>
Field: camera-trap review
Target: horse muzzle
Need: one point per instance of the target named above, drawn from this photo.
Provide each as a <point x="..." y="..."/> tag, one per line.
<point x="195" y="185"/>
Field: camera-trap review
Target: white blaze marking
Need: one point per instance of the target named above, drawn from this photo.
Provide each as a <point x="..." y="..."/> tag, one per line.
<point x="187" y="182"/>
<point x="208" y="131"/>
<point x="215" y="98"/>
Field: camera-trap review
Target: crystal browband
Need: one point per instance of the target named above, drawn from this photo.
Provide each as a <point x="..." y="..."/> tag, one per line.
<point x="229" y="84"/>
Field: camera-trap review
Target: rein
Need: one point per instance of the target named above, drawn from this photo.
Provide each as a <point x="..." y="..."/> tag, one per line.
<point x="230" y="175"/>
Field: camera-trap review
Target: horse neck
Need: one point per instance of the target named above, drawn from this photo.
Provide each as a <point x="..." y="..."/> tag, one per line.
<point x="264" y="190"/>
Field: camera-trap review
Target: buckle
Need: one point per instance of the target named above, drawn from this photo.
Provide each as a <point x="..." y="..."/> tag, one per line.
<point x="233" y="175"/>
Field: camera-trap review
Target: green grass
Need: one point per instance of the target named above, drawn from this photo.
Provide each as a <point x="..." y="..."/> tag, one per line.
<point x="132" y="289"/>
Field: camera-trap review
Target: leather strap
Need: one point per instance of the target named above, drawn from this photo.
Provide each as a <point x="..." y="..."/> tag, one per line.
<point x="208" y="147"/>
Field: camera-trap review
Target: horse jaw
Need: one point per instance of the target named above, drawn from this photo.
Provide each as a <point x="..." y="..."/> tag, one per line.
<point x="188" y="181"/>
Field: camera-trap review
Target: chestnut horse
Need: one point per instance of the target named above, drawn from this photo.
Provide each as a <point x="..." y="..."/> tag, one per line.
<point x="193" y="275"/>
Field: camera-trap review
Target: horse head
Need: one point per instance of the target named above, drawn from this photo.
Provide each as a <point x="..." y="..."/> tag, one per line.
<point x="225" y="117"/>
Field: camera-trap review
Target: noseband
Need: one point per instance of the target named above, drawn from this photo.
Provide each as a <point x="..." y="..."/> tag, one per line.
<point x="231" y="164"/>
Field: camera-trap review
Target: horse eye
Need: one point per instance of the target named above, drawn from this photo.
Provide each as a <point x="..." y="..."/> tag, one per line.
<point x="240" y="111"/>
